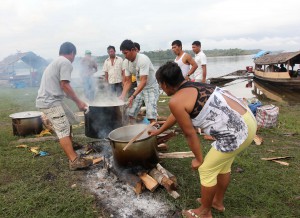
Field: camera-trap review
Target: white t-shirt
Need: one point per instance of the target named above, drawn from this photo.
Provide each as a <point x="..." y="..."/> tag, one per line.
<point x="114" y="70"/>
<point x="50" y="92"/>
<point x="200" y="59"/>
<point x="141" y="66"/>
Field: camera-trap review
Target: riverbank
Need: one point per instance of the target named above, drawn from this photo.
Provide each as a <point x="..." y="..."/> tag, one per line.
<point x="44" y="187"/>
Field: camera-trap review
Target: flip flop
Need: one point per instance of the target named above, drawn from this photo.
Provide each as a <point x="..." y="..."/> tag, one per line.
<point x="189" y="213"/>
<point x="221" y="211"/>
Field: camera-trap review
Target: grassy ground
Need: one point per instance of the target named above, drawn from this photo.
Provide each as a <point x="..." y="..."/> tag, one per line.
<point x="41" y="186"/>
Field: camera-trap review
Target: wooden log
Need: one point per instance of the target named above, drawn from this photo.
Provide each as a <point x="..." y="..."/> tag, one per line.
<point x="176" y="155"/>
<point x="168" y="173"/>
<point x="125" y="175"/>
<point x="150" y="183"/>
<point x="45" y="138"/>
<point x="162" y="179"/>
<point x="162" y="147"/>
<point x="40" y="139"/>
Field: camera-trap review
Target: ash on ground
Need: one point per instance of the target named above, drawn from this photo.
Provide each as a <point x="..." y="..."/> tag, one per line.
<point x="119" y="198"/>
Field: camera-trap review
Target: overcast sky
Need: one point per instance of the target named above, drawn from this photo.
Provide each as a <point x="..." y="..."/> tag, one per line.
<point x="42" y="25"/>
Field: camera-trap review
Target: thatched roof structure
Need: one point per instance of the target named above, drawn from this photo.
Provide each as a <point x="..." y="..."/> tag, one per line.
<point x="29" y="58"/>
<point x="281" y="58"/>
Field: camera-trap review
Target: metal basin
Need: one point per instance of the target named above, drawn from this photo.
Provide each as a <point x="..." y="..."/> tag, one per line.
<point x="141" y="152"/>
<point x="26" y="123"/>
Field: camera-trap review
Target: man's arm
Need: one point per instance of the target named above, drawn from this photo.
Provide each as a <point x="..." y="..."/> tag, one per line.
<point x="139" y="88"/>
<point x="193" y="64"/>
<point x="203" y="73"/>
<point x="126" y="87"/>
<point x="65" y="85"/>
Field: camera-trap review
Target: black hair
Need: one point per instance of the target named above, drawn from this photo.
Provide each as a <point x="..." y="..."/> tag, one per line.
<point x="197" y="43"/>
<point x="127" y="44"/>
<point x="111" y="47"/>
<point x="137" y="46"/>
<point x="177" y="42"/>
<point x="67" y="48"/>
<point x="170" y="74"/>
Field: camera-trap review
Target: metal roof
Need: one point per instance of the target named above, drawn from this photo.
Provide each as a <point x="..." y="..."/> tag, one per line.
<point x="279" y="58"/>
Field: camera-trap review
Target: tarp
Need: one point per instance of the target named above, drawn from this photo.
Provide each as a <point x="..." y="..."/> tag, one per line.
<point x="260" y="54"/>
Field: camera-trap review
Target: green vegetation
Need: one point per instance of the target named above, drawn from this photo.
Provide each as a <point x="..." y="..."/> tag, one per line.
<point x="41" y="186"/>
<point x="169" y="55"/>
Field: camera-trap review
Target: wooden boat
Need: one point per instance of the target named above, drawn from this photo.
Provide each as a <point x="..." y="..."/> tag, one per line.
<point x="267" y="69"/>
<point x="222" y="80"/>
<point x="274" y="92"/>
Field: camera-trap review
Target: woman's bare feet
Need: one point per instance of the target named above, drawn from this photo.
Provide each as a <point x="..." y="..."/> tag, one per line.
<point x="218" y="207"/>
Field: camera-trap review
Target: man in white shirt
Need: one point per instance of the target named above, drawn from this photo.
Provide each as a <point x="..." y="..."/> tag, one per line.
<point x="112" y="68"/>
<point x="184" y="60"/>
<point x="147" y="89"/>
<point x="200" y="58"/>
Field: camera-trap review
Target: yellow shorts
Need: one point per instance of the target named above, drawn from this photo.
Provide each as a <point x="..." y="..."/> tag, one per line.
<point x="216" y="162"/>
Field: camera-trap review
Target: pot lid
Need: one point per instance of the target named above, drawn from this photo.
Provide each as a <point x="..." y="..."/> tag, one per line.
<point x="25" y="114"/>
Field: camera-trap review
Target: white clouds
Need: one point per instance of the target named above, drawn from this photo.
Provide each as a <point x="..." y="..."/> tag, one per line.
<point x="41" y="26"/>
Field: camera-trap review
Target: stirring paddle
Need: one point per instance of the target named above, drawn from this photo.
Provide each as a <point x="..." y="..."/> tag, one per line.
<point x="138" y="135"/>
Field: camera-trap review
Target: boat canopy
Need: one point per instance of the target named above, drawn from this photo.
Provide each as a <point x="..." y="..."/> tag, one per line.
<point x="293" y="57"/>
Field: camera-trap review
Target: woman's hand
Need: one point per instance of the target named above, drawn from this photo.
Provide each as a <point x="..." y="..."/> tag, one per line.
<point x="153" y="132"/>
<point x="196" y="164"/>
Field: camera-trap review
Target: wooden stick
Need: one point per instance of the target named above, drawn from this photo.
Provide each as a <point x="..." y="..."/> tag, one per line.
<point x="176" y="155"/>
<point x="97" y="160"/>
<point x="275" y="158"/>
<point x="281" y="162"/>
<point x="150" y="183"/>
<point x="174" y="194"/>
<point x="138" y="135"/>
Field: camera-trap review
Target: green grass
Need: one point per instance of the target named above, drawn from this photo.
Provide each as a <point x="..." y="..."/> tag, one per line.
<point x="41" y="186"/>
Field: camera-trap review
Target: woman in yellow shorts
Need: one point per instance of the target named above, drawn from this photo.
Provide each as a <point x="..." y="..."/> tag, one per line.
<point x="217" y="113"/>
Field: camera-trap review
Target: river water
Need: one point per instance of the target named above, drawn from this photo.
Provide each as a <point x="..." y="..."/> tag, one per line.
<point x="220" y="66"/>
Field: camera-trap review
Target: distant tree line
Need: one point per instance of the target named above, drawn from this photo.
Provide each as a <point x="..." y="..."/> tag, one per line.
<point x="169" y="55"/>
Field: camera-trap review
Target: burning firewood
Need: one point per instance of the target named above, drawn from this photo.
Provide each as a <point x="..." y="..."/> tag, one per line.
<point x="125" y="175"/>
<point x="150" y="183"/>
<point x="168" y="174"/>
<point x="162" y="179"/>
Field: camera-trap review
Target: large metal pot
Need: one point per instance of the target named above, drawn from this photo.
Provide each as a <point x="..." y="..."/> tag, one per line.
<point x="141" y="152"/>
<point x="101" y="120"/>
<point x="26" y="123"/>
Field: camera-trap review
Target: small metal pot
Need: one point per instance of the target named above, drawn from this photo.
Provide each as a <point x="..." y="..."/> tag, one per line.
<point x="26" y="123"/>
<point x="101" y="120"/>
<point x="141" y="152"/>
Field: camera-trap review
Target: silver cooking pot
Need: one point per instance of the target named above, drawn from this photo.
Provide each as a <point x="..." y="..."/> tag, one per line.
<point x="101" y="120"/>
<point x="141" y="152"/>
<point x="26" y="123"/>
